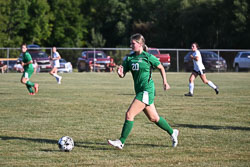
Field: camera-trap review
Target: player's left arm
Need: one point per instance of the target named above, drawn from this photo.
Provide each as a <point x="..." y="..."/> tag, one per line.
<point x="164" y="78"/>
<point x="59" y="56"/>
<point x="157" y="64"/>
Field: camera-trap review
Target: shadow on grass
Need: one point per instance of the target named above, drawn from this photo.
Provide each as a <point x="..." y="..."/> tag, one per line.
<point x="87" y="145"/>
<point x="29" y="139"/>
<point x="213" y="127"/>
<point x="1" y="93"/>
<point x="94" y="146"/>
<point x="97" y="145"/>
<point x="127" y="94"/>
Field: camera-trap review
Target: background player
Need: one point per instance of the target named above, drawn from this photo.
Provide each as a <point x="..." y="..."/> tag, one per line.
<point x="199" y="69"/>
<point x="55" y="64"/>
<point x="28" y="71"/>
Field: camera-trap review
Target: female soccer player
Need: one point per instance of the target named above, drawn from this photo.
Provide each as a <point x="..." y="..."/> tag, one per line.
<point x="199" y="69"/>
<point x="55" y="58"/>
<point x="28" y="71"/>
<point x="140" y="63"/>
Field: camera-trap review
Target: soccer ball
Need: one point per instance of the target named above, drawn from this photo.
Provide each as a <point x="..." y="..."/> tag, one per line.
<point x="66" y="143"/>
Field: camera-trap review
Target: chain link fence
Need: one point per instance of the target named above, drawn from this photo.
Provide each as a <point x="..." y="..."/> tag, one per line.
<point x="177" y="55"/>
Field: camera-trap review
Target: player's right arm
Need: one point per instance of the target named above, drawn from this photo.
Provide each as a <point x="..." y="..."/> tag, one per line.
<point x="120" y="72"/>
<point x="26" y="59"/>
<point x="123" y="69"/>
<point x="196" y="57"/>
<point x="25" y="64"/>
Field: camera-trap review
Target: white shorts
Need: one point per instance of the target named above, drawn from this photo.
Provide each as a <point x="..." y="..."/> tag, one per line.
<point x="56" y="64"/>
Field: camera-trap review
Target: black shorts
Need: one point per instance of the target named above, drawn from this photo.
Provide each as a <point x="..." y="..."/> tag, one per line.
<point x="199" y="72"/>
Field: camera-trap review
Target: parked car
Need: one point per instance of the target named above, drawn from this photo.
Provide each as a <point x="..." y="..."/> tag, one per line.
<point x="241" y="61"/>
<point x="41" y="59"/>
<point x="211" y="61"/>
<point x="33" y="47"/>
<point x="65" y="66"/>
<point x="93" y="60"/>
<point x="163" y="58"/>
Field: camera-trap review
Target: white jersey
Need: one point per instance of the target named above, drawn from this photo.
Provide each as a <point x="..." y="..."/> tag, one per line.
<point x="198" y="65"/>
<point x="56" y="63"/>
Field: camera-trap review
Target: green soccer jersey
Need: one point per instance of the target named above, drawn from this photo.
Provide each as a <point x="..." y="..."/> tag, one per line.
<point x="26" y="58"/>
<point x="141" y="69"/>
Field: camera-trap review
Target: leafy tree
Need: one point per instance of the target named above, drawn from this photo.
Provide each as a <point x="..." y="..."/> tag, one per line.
<point x="144" y="19"/>
<point x="200" y="23"/>
<point x="13" y="21"/>
<point x="164" y="23"/>
<point x="97" y="40"/>
<point x="69" y="26"/>
<point x="38" y="28"/>
<point x="111" y="18"/>
<point x="240" y="21"/>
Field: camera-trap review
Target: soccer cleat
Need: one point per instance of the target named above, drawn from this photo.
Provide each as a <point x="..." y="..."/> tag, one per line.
<point x="32" y="93"/>
<point x="188" y="94"/>
<point x="59" y="80"/>
<point x="116" y="143"/>
<point x="174" y="137"/>
<point x="36" y="88"/>
<point x="216" y="90"/>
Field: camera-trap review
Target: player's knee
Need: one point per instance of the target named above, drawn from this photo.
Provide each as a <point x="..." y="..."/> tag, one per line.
<point x="23" y="81"/>
<point x="191" y="80"/>
<point x="205" y="81"/>
<point x="153" y="119"/>
<point x="129" y="116"/>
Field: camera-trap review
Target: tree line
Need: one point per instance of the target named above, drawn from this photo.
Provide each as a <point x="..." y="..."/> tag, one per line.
<point x="109" y="23"/>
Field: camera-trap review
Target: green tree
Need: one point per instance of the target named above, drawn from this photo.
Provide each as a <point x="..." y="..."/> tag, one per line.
<point x="111" y="18"/>
<point x="69" y="26"/>
<point x="200" y="22"/>
<point x="240" y="32"/>
<point x="38" y="29"/>
<point x="97" y="40"/>
<point x="13" y="21"/>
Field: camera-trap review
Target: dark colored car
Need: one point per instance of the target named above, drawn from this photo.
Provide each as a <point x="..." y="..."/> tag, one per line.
<point x="242" y="61"/>
<point x="33" y="47"/>
<point x="211" y="61"/>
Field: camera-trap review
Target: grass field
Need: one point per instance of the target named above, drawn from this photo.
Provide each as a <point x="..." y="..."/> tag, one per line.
<point x="90" y="107"/>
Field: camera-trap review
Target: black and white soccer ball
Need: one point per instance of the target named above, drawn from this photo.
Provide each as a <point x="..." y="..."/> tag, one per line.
<point x="66" y="143"/>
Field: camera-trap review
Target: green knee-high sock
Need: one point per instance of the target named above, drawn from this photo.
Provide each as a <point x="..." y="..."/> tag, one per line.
<point x="29" y="88"/>
<point x="162" y="123"/>
<point x="30" y="83"/>
<point x="127" y="127"/>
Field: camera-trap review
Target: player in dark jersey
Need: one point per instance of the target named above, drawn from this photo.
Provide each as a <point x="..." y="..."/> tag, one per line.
<point x="28" y="71"/>
<point x="140" y="63"/>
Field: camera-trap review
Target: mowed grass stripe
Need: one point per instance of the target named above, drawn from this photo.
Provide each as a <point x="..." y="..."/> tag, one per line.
<point x="90" y="107"/>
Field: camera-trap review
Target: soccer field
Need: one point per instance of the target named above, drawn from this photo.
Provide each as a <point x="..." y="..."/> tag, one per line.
<point x="90" y="108"/>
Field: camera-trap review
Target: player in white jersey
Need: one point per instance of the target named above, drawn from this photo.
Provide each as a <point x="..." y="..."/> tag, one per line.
<point x="55" y="64"/>
<point x="199" y="69"/>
